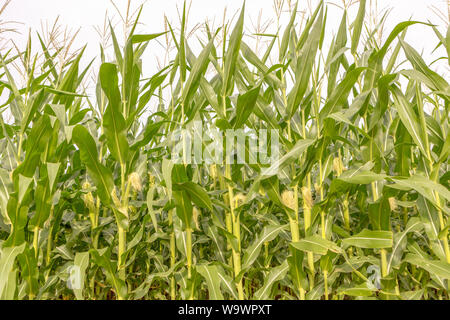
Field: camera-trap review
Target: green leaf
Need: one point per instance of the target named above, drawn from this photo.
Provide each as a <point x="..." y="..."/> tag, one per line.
<point x="379" y="214"/>
<point x="81" y="262"/>
<point x="102" y="259"/>
<point x="340" y="93"/>
<point x="412" y="295"/>
<point x="32" y="107"/>
<point x="197" y="73"/>
<point x="438" y="268"/>
<point x="361" y="175"/>
<point x="317" y="245"/>
<point x="358" y="24"/>
<point x="69" y="82"/>
<point x="394" y="33"/>
<point x="376" y="58"/>
<point x="184" y="207"/>
<point x="304" y="67"/>
<point x="409" y="118"/>
<point x="211" y="275"/>
<point x="298" y="275"/>
<point x="251" y="57"/>
<point x="268" y="234"/>
<point x="232" y="53"/>
<point x="139" y="38"/>
<point x="227" y="283"/>
<point x="245" y="105"/>
<point x="358" y="291"/>
<point x="18" y="217"/>
<point x="275" y="274"/>
<point x="338" y="51"/>
<point x="425" y="187"/>
<point x="287" y="34"/>
<point x="100" y="174"/>
<point x="293" y="154"/>
<point x="182" y="47"/>
<point x="429" y="216"/>
<point x="37" y="141"/>
<point x="24" y="184"/>
<point x="437" y="82"/>
<point x="400" y="240"/>
<point x="447" y="44"/>
<point x="52" y="172"/>
<point x="7" y="259"/>
<point x="151" y="211"/>
<point x="43" y="200"/>
<point x="167" y="166"/>
<point x="113" y="120"/>
<point x="371" y="239"/>
<point x="271" y="186"/>
<point x="196" y="193"/>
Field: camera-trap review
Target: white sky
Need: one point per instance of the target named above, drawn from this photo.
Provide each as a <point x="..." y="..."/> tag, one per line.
<point x="86" y="14"/>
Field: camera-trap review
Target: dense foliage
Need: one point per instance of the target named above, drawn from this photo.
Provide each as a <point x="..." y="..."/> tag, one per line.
<point x="93" y="207"/>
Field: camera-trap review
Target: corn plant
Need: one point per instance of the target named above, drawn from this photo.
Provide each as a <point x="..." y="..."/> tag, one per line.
<point x="94" y="206"/>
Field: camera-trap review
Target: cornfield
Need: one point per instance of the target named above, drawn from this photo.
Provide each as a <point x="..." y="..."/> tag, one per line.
<point x="93" y="205"/>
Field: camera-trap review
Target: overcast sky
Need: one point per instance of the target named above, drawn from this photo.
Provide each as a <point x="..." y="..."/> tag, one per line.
<point x="85" y="15"/>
